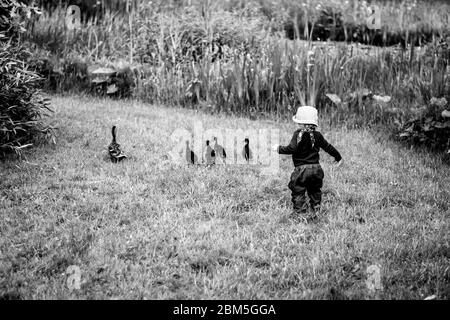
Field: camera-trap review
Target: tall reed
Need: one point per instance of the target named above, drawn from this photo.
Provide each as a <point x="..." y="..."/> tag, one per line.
<point x="227" y="61"/>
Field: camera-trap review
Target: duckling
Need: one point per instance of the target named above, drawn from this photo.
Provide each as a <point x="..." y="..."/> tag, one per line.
<point x="115" y="153"/>
<point x="246" y="152"/>
<point x="191" y="157"/>
<point x="210" y="154"/>
<point x="219" y="150"/>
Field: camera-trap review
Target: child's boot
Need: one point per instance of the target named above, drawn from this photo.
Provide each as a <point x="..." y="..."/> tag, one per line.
<point x="303" y="214"/>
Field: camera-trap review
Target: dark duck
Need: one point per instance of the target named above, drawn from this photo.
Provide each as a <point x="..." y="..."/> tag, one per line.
<point x="219" y="150"/>
<point x="191" y="157"/>
<point x="210" y="154"/>
<point x="115" y="153"/>
<point x="246" y="152"/>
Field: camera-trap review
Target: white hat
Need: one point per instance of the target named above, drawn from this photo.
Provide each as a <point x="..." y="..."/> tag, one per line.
<point x="306" y="115"/>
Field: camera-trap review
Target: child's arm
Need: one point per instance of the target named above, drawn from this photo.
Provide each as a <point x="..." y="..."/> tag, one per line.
<point x="289" y="149"/>
<point x="328" y="148"/>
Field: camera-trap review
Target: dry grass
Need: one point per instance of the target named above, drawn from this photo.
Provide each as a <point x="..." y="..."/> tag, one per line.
<point x="150" y="229"/>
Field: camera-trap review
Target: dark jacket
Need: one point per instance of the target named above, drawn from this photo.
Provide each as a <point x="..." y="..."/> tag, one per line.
<point x="302" y="153"/>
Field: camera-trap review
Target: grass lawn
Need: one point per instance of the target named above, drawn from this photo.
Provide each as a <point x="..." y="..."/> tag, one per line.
<point x="150" y="229"/>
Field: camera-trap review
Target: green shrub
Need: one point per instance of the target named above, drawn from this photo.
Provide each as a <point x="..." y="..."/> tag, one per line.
<point x="431" y="127"/>
<point x="21" y="105"/>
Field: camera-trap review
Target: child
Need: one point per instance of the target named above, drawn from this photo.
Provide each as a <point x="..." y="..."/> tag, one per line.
<point x="308" y="174"/>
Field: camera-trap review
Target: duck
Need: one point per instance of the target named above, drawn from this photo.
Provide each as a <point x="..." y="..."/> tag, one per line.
<point x="210" y="155"/>
<point x="219" y="150"/>
<point x="191" y="157"/>
<point x="115" y="153"/>
<point x="246" y="152"/>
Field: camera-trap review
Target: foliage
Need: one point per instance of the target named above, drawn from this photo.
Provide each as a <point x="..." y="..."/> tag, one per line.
<point x="431" y="127"/>
<point x="21" y="105"/>
<point x="227" y="58"/>
<point x="402" y="22"/>
<point x="14" y="15"/>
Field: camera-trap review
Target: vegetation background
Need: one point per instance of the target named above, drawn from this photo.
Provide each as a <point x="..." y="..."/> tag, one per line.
<point x="261" y="58"/>
<point x="149" y="229"/>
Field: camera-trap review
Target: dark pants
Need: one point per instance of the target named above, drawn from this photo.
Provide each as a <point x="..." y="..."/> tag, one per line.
<point x="306" y="178"/>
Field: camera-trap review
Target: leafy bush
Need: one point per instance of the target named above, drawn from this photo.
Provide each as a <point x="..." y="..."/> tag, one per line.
<point x="431" y="127"/>
<point x="21" y="105"/>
